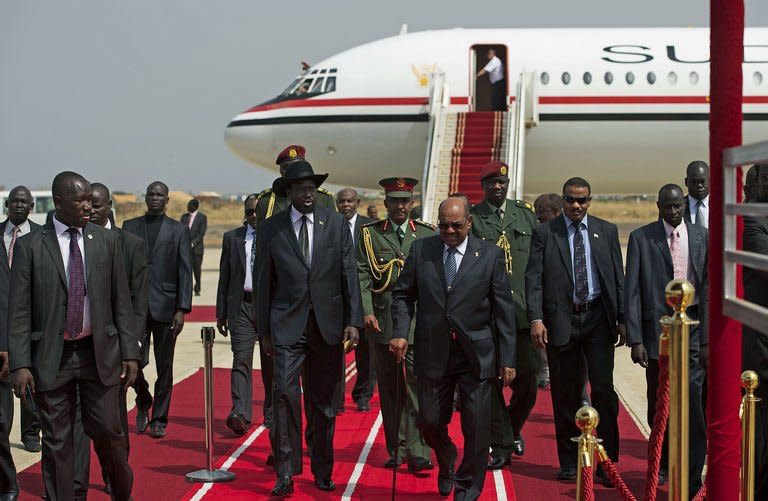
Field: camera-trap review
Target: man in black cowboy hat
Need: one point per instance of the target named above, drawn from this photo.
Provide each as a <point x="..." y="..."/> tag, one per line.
<point x="308" y="307"/>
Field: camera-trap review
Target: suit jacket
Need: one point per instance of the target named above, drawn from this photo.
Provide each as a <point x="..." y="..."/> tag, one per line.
<point x="359" y="223"/>
<point x="549" y="275"/>
<point x="478" y="309"/>
<point x="5" y="280"/>
<point x="38" y="305"/>
<point x="229" y="295"/>
<point x="135" y="256"/>
<point x="286" y="288"/>
<point x="687" y="213"/>
<point x="197" y="231"/>
<point x="754" y="343"/>
<point x="169" y="265"/>
<point x="649" y="270"/>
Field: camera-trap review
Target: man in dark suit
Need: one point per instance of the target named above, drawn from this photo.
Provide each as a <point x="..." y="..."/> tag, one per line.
<point x="18" y="206"/>
<point x="659" y="252"/>
<point x="347" y="203"/>
<point x="197" y="222"/>
<point x="307" y="304"/>
<point x="77" y="336"/>
<point x="697" y="200"/>
<point x="170" y="297"/>
<point x="574" y="286"/>
<point x="136" y="273"/>
<point x="465" y="336"/>
<point x="755" y="343"/>
<point x="235" y="317"/>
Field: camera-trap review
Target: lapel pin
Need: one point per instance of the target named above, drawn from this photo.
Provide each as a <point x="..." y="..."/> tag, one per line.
<point x="594" y="235"/>
<point x="90" y="237"/>
<point x="321" y="222"/>
<point x="477" y="254"/>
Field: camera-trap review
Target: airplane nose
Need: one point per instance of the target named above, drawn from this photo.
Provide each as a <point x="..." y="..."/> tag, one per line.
<point x="252" y="143"/>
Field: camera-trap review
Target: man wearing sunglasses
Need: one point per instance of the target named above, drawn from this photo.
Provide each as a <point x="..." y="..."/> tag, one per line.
<point x="235" y="317"/>
<point x="574" y="287"/>
<point x="509" y="224"/>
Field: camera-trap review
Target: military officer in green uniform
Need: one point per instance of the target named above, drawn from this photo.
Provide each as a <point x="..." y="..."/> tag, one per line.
<point x="510" y="224"/>
<point x="381" y="254"/>
<point x="270" y="203"/>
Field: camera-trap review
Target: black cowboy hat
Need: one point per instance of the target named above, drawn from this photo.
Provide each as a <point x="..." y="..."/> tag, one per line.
<point x="297" y="171"/>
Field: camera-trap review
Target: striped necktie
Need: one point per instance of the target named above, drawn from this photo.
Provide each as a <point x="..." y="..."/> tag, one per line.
<point x="14" y="236"/>
<point x="580" y="264"/>
<point x="450" y="266"/>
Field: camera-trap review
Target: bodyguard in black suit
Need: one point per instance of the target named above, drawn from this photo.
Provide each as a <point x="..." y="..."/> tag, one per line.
<point x="755" y="343"/>
<point x="197" y="222"/>
<point x="235" y="317"/>
<point x="170" y="297"/>
<point x="697" y="200"/>
<point x="307" y="303"/>
<point x="465" y="337"/>
<point x="574" y="286"/>
<point x="71" y="329"/>
<point x="659" y="252"/>
<point x="347" y="202"/>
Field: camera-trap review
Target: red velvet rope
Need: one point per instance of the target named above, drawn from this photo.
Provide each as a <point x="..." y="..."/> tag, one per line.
<point x="660" y="420"/>
<point x="702" y="494"/>
<point x="587" y="483"/>
<point x="610" y="469"/>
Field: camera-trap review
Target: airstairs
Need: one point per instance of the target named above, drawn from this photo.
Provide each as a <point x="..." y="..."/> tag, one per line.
<point x="460" y="143"/>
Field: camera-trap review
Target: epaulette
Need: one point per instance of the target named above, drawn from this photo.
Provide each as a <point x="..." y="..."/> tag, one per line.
<point x="372" y="223"/>
<point x="263" y="194"/>
<point x="424" y="223"/>
<point x="524" y="205"/>
<point x="323" y="190"/>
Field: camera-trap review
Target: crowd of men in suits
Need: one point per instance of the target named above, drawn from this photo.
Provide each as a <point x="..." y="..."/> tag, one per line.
<point x="439" y="318"/>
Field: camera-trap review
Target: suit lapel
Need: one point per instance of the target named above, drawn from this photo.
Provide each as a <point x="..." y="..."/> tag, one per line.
<point x="240" y="244"/>
<point x="560" y="233"/>
<point x="161" y="235"/>
<point x="289" y="235"/>
<point x="3" y="250"/>
<point x="695" y="246"/>
<point x="318" y="232"/>
<point x="660" y="238"/>
<point x="471" y="256"/>
<point x="596" y="247"/>
<point x="89" y="246"/>
<point x="436" y="254"/>
<point x="51" y="244"/>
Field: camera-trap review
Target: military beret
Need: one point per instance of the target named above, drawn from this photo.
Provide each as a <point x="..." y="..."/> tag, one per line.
<point x="494" y="169"/>
<point x="291" y="153"/>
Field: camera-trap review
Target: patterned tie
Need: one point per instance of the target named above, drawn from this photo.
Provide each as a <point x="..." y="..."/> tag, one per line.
<point x="14" y="236"/>
<point x="450" y="266"/>
<point x="76" y="294"/>
<point x="304" y="240"/>
<point x="500" y="214"/>
<point x="580" y="264"/>
<point x="253" y="250"/>
<point x="678" y="263"/>
<point x="700" y="213"/>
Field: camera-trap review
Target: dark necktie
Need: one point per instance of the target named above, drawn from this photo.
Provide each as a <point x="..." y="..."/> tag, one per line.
<point x="76" y="292"/>
<point x="700" y="213"/>
<point x="580" y="264"/>
<point x="450" y="266"/>
<point x="400" y="234"/>
<point x="500" y="214"/>
<point x="304" y="240"/>
<point x="253" y="250"/>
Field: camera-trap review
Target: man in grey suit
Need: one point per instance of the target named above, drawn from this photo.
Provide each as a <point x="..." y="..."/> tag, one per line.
<point x="197" y="222"/>
<point x="235" y="317"/>
<point x="170" y="297"/>
<point x="18" y="206"/>
<point x="574" y="285"/>
<point x="307" y="304"/>
<point x="667" y="249"/>
<point x="71" y="329"/>
<point x="465" y="337"/>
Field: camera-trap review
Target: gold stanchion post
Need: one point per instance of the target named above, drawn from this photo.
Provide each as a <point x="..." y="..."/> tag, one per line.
<point x="680" y="295"/>
<point x="749" y="381"/>
<point x="587" y="420"/>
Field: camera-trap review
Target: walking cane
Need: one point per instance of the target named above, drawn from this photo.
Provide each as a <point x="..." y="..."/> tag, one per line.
<point x="399" y="390"/>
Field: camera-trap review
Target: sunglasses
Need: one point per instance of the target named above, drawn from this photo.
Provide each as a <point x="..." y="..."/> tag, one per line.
<point x="578" y="200"/>
<point x="250" y="212"/>
<point x="456" y="225"/>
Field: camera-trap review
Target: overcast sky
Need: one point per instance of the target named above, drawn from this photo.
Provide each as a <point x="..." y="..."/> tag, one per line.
<point x="129" y="92"/>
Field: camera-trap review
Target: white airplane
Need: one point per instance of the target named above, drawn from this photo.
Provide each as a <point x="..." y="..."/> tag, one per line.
<point x="625" y="108"/>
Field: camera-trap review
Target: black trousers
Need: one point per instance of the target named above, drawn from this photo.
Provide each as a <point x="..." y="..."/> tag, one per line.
<point x="165" y="344"/>
<point x="8" y="482"/>
<point x="100" y="407"/>
<point x="499" y="95"/>
<point x="243" y="340"/>
<point x="435" y="411"/>
<point x="30" y="423"/>
<point x="593" y="339"/>
<point x="322" y="366"/>
<point x="507" y="421"/>
<point x="366" y="369"/>
<point x="197" y="266"/>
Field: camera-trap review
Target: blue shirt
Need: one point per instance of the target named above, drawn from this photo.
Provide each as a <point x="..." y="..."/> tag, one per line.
<point x="592" y="278"/>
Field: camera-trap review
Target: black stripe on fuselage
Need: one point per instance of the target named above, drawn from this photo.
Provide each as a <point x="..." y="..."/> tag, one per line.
<point x="316" y="119"/>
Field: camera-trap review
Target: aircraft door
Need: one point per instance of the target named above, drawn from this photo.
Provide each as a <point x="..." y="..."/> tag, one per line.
<point x="489" y="91"/>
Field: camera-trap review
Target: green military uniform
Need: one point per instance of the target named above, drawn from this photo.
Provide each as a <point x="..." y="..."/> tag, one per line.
<point x="270" y="203"/>
<point x="381" y="255"/>
<point x="513" y="234"/>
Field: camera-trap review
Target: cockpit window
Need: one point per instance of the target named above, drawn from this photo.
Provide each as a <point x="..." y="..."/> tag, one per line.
<point x="318" y="87"/>
<point x="310" y="84"/>
<point x="291" y="88"/>
<point x="330" y="84"/>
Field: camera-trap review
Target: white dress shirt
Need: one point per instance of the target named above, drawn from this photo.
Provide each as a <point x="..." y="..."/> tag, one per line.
<point x="495" y="70"/>
<point x="24" y="228"/>
<point x="63" y="237"/>
<point x="108" y="226"/>
<point x="250" y="235"/>
<point x="692" y="202"/>
<point x="460" y="250"/>
<point x="296" y="220"/>
<point x="351" y="222"/>
<point x="192" y="216"/>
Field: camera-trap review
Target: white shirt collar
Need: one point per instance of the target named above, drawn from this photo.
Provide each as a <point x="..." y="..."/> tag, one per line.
<point x="681" y="228"/>
<point x="351" y="221"/>
<point x="461" y="248"/>
<point x="569" y="222"/>
<point x="24" y="227"/>
<point x="249" y="230"/>
<point x="108" y="226"/>
<point x="62" y="228"/>
<point x="296" y="215"/>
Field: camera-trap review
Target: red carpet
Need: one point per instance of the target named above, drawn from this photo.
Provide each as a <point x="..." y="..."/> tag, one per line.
<point x="201" y="313"/>
<point x="478" y="141"/>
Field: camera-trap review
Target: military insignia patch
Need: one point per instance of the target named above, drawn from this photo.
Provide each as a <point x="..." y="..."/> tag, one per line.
<point x="400" y="183"/>
<point x="503" y="171"/>
<point x="292" y="153"/>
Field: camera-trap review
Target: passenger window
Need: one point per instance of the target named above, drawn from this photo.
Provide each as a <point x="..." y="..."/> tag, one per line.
<point x="757" y="77"/>
<point x="544" y="78"/>
<point x="672" y="78"/>
<point x="318" y="87"/>
<point x="608" y="77"/>
<point x="651" y="77"/>
<point x="587" y="77"/>
<point x="330" y="84"/>
<point x="693" y="77"/>
<point x="630" y="78"/>
<point x="566" y="78"/>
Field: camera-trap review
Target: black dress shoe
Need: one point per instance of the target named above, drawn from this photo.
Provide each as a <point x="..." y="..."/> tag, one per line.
<point x="603" y="477"/>
<point x="419" y="464"/>
<point x="142" y="419"/>
<point x="283" y="487"/>
<point x="662" y="477"/>
<point x="271" y="459"/>
<point x="567" y="473"/>
<point x="325" y="484"/>
<point x="445" y="482"/>
<point x="391" y="462"/>
<point x="157" y="431"/>
<point x="236" y="423"/>
<point x="498" y="462"/>
<point x="518" y="446"/>
<point x="9" y="496"/>
<point x="363" y="406"/>
<point x="32" y="444"/>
